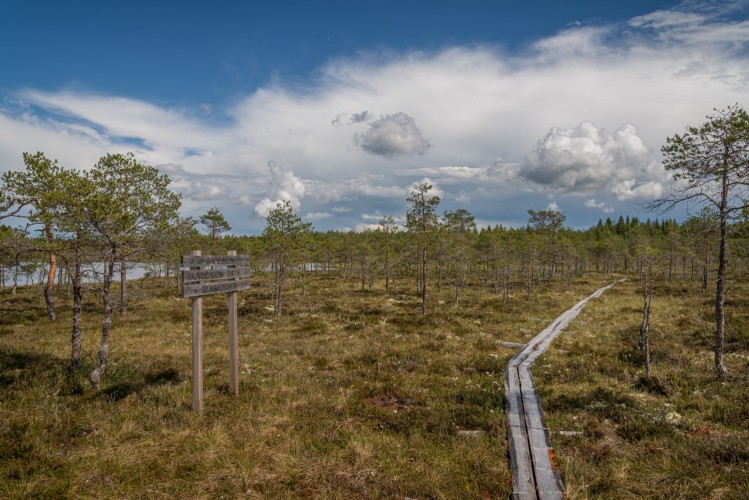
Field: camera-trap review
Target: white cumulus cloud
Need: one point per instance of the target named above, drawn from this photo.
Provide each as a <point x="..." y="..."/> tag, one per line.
<point x="588" y="159"/>
<point x="285" y="186"/>
<point x="599" y="205"/>
<point x="392" y="136"/>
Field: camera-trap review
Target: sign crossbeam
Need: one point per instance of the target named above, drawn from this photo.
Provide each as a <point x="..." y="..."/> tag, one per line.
<point x="191" y="276"/>
<point x="207" y="288"/>
<point x="202" y="261"/>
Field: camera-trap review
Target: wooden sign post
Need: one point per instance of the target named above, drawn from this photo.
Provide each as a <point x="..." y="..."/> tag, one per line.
<point x="207" y="275"/>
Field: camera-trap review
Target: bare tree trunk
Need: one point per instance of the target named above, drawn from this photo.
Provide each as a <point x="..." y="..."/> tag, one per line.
<point x="720" y="289"/>
<point x="106" y="324"/>
<point x="123" y="287"/>
<point x="387" y="264"/>
<point x="424" y="279"/>
<point x="508" y="273"/>
<point x="16" y="271"/>
<point x="48" y="299"/>
<point x="644" y="340"/>
<point x="363" y="274"/>
<point x="458" y="285"/>
<point x="280" y="270"/>
<point x="691" y="269"/>
<point x="529" y="277"/>
<point x="75" y="341"/>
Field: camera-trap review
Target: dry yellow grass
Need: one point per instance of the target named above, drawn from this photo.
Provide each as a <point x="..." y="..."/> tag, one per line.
<point x="352" y="395"/>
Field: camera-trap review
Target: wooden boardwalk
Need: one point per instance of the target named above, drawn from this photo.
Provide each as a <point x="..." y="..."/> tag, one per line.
<point x="533" y="475"/>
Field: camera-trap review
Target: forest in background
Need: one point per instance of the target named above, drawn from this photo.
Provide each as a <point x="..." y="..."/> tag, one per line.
<point x="509" y="260"/>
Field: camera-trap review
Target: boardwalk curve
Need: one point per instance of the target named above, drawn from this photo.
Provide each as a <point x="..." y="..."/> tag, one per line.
<point x="533" y="475"/>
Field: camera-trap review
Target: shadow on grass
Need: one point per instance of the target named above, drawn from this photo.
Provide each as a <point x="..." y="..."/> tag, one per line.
<point x="121" y="390"/>
<point x="24" y="313"/>
<point x="19" y="370"/>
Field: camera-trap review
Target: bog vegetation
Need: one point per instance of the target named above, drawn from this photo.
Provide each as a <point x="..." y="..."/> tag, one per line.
<point x="372" y="361"/>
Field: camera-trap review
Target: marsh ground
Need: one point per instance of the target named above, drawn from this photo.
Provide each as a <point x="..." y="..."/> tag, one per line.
<point x="352" y="394"/>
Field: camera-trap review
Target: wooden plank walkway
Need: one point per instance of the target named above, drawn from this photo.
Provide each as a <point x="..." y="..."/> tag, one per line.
<point x="533" y="475"/>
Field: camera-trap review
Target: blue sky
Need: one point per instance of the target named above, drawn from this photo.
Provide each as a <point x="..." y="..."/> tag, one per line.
<point x="340" y="107"/>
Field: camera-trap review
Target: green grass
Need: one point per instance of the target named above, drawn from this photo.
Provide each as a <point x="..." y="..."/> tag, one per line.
<point x="352" y="394"/>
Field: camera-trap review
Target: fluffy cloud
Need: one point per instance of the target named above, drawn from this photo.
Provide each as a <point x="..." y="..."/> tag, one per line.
<point x="286" y="187"/>
<point x="592" y="203"/>
<point x="208" y="192"/>
<point x="588" y="159"/>
<point x="342" y="119"/>
<point x="362" y="117"/>
<point x="392" y="136"/>
<point x="629" y="190"/>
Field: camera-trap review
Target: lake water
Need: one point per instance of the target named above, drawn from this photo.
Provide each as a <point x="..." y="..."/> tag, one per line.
<point x="34" y="275"/>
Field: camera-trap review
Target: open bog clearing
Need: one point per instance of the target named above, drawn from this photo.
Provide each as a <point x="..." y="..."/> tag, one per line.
<point x="352" y="394"/>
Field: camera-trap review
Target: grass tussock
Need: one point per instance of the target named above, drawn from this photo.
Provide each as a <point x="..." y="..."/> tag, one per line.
<point x="352" y="394"/>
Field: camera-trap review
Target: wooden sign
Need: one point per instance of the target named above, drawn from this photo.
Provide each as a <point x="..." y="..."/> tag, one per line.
<point x="207" y="275"/>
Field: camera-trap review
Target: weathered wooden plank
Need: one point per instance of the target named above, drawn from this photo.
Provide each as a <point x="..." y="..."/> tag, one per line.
<point x="233" y="336"/>
<point x="215" y="260"/>
<point x="530" y="445"/>
<point x="523" y="478"/>
<point x="197" y="351"/>
<point x="515" y="411"/>
<point x="200" y="289"/>
<point x="189" y="276"/>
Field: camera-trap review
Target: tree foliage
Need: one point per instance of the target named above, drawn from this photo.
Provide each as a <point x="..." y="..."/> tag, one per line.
<point x="127" y="201"/>
<point x="422" y="220"/>
<point x="284" y="232"/>
<point x="710" y="162"/>
<point x="34" y="193"/>
<point x="215" y="223"/>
